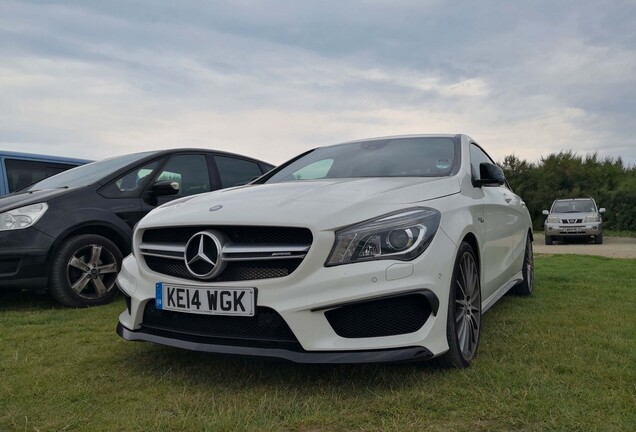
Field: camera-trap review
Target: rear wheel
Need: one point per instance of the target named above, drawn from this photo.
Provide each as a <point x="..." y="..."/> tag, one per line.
<point x="84" y="270"/>
<point x="464" y="311"/>
<point x="525" y="287"/>
<point x="598" y="239"/>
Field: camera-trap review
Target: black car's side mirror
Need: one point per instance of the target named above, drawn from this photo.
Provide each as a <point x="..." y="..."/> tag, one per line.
<point x="165" y="187"/>
<point x="491" y="175"/>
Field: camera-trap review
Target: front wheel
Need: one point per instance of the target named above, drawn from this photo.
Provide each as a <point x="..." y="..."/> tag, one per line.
<point x="84" y="271"/>
<point x="464" y="311"/>
<point x="549" y="240"/>
<point x="525" y="287"/>
<point x="598" y="239"/>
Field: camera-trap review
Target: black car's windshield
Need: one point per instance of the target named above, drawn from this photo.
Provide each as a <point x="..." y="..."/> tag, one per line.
<point x="87" y="174"/>
<point x="391" y="157"/>
<point x="572" y="206"/>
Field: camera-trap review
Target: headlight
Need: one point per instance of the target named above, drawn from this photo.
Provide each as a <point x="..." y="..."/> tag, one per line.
<point x="552" y="219"/>
<point x="22" y="217"/>
<point x="401" y="235"/>
<point x="593" y="218"/>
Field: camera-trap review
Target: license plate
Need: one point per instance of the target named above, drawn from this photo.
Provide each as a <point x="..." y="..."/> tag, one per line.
<point x="212" y="301"/>
<point x="571" y="230"/>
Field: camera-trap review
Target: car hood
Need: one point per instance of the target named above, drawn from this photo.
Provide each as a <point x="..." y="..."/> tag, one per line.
<point x="21" y="199"/>
<point x="322" y="204"/>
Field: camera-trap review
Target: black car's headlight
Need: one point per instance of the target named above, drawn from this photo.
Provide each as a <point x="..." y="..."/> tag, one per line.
<point x="401" y="235"/>
<point x="22" y="217"/>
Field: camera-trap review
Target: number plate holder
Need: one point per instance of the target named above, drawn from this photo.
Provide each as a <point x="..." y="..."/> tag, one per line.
<point x="205" y="300"/>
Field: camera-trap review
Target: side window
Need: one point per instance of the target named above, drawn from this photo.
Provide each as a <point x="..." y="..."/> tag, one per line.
<point x="22" y="173"/>
<point x="234" y="171"/>
<point x="190" y="171"/>
<point x="131" y="183"/>
<point x="316" y="170"/>
<point x="477" y="156"/>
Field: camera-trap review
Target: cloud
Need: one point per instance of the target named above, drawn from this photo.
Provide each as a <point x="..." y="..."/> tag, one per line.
<point x="96" y="79"/>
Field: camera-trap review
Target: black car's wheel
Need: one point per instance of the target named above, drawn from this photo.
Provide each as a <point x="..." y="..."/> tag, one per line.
<point x="84" y="270"/>
<point x="525" y="287"/>
<point x="598" y="239"/>
<point x="464" y="311"/>
<point x="549" y="240"/>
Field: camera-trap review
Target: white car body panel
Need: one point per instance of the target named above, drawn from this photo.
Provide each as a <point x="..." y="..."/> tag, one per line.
<point x="493" y="216"/>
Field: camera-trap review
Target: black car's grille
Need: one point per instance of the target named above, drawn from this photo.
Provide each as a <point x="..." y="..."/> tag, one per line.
<point x="383" y="317"/>
<point x="292" y="244"/>
<point x="266" y="326"/>
<point x="234" y="271"/>
<point x="571" y="221"/>
<point x="237" y="234"/>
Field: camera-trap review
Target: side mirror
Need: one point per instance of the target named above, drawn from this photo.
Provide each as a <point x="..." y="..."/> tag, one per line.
<point x="545" y="212"/>
<point x="601" y="210"/>
<point x="165" y="187"/>
<point x="491" y="175"/>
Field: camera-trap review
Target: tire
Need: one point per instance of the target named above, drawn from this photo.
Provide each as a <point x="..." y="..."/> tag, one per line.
<point x="548" y="240"/>
<point x="463" y="324"/>
<point x="84" y="270"/>
<point x="525" y="287"/>
<point x="598" y="239"/>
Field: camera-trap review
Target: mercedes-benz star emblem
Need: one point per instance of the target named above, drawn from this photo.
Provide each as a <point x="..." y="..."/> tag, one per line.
<point x="203" y="254"/>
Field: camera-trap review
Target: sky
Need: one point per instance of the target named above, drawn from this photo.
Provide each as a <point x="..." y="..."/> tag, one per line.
<point x="94" y="79"/>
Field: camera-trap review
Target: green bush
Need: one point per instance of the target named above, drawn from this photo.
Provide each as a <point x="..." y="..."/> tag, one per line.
<point x="568" y="175"/>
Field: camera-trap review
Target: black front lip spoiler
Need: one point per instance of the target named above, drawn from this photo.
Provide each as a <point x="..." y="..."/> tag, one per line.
<point x="406" y="354"/>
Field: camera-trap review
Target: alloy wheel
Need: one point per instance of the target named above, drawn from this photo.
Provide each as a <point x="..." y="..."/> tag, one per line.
<point x="92" y="271"/>
<point x="467" y="306"/>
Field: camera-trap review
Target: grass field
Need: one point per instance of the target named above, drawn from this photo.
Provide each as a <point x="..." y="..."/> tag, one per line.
<point x="563" y="359"/>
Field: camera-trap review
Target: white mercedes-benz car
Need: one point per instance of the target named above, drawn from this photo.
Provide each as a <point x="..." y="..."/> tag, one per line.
<point x="386" y="249"/>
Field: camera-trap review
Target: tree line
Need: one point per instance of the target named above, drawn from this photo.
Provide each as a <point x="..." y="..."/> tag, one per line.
<point x="568" y="175"/>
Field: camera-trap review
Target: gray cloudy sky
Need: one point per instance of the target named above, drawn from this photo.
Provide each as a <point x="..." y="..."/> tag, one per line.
<point x="271" y="79"/>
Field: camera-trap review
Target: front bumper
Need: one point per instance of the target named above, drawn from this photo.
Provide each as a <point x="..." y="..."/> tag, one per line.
<point x="372" y="356"/>
<point x="23" y="255"/>
<point x="303" y="302"/>
<point x="573" y="230"/>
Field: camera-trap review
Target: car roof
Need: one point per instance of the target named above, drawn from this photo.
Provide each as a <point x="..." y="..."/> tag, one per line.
<point x="574" y="199"/>
<point x="402" y="136"/>
<point x="153" y="154"/>
<point x="44" y="157"/>
<point x="201" y="149"/>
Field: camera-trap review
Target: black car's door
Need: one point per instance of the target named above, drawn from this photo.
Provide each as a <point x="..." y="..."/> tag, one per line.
<point x="131" y="196"/>
<point x="124" y="193"/>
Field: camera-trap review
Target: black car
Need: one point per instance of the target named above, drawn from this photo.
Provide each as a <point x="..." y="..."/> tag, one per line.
<point x="69" y="232"/>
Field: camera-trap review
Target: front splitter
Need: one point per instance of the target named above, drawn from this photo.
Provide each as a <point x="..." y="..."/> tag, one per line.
<point x="406" y="354"/>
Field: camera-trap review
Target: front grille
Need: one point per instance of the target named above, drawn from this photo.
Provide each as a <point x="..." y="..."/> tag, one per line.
<point x="265" y="326"/>
<point x="237" y="234"/>
<point x="234" y="271"/>
<point x="571" y="221"/>
<point x="383" y="317"/>
<point x="251" y="253"/>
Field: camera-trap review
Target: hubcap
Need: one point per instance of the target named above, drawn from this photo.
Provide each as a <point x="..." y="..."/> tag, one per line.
<point x="467" y="306"/>
<point x="91" y="271"/>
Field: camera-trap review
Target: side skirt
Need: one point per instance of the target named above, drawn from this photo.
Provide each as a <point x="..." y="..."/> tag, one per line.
<point x="487" y="304"/>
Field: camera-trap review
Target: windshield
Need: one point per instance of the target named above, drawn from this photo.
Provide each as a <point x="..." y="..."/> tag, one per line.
<point x="571" y="206"/>
<point x="392" y="157"/>
<point x="87" y="174"/>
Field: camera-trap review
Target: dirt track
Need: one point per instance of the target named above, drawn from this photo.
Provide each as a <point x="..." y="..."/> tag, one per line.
<point x="613" y="247"/>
